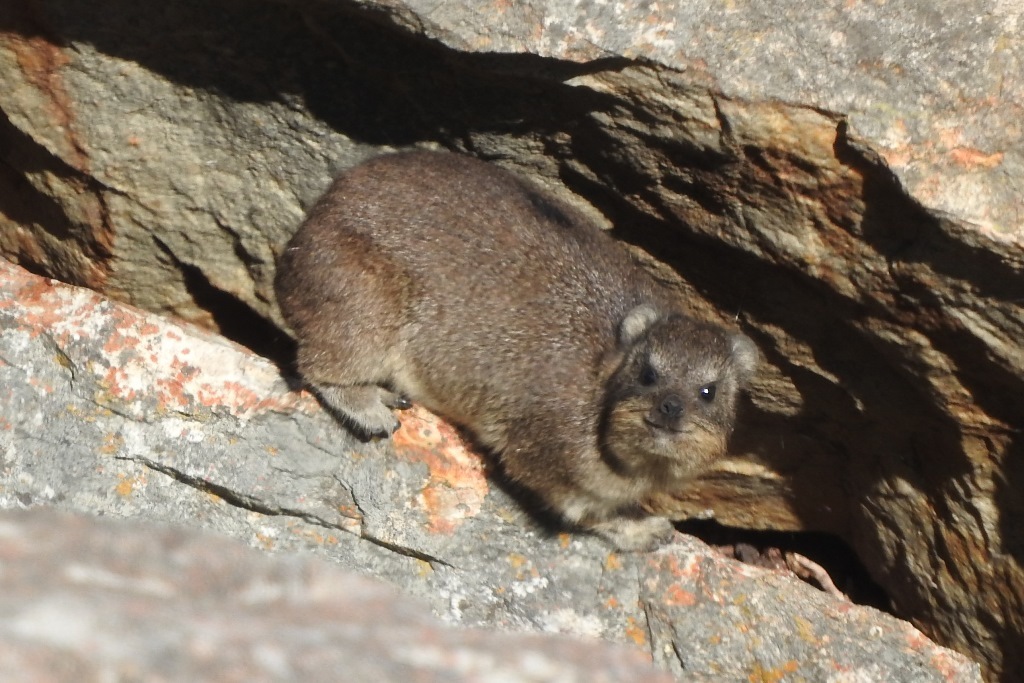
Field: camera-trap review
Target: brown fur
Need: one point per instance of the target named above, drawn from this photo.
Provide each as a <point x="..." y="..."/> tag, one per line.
<point x="452" y="282"/>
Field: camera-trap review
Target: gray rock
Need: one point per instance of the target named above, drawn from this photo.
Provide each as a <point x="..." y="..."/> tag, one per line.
<point x="109" y="410"/>
<point x="934" y="88"/>
<point x="102" y="599"/>
<point x="844" y="178"/>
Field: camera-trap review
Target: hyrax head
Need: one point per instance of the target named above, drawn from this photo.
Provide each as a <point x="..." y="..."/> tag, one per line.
<point x="671" y="403"/>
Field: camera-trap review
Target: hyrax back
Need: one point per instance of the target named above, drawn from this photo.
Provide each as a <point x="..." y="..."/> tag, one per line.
<point x="442" y="279"/>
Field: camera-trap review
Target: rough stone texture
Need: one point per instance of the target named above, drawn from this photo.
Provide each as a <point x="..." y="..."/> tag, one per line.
<point x="86" y="599"/>
<point x="935" y="88"/>
<point x="109" y="410"/>
<point x="845" y="177"/>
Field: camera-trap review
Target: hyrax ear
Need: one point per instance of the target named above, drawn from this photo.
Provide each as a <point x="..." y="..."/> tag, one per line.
<point x="744" y="354"/>
<point x="636" y="322"/>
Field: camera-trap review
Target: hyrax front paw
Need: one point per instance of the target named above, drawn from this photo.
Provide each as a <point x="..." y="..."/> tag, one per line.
<point x="636" y="535"/>
<point x="365" y="409"/>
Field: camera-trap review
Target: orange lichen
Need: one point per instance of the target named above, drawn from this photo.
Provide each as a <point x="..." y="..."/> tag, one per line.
<point x="455" y="485"/>
<point x="142" y="354"/>
<point x="112" y="443"/>
<point x="524" y="569"/>
<point x="635" y="632"/>
<point x="670" y="565"/>
<point x="946" y="664"/>
<point x="315" y="536"/>
<point x="969" y="157"/>
<point x="266" y="541"/>
<point x="916" y="640"/>
<point x="805" y="630"/>
<point x="42" y="62"/>
<point x="772" y="675"/>
<point x="27" y="295"/>
<point x="677" y="596"/>
<point x="126" y="484"/>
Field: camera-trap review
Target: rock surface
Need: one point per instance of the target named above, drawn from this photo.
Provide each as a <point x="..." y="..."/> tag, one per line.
<point x="88" y="599"/>
<point x="845" y="179"/>
<point x="934" y="88"/>
<point x="108" y="410"/>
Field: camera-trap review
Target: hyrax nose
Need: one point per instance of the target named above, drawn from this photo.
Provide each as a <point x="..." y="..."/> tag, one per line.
<point x="671" y="406"/>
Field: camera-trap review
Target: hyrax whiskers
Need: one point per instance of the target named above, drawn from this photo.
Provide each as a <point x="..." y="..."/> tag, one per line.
<point x="442" y="279"/>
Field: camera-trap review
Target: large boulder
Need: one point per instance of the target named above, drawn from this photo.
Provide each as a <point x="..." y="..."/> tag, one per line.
<point x="110" y="411"/>
<point x="842" y="178"/>
<point x="88" y="598"/>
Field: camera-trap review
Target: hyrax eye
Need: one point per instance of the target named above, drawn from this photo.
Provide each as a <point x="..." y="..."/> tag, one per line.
<point x="648" y="376"/>
<point x="707" y="393"/>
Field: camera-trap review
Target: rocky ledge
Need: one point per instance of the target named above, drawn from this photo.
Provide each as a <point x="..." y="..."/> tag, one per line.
<point x="107" y="410"/>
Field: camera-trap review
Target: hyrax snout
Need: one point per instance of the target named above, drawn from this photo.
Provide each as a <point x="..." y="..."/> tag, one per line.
<point x="442" y="279"/>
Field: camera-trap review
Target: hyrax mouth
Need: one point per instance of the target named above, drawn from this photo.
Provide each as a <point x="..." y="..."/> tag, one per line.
<point x="657" y="426"/>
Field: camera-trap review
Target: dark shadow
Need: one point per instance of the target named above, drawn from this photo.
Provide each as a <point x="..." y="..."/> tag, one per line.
<point x="236" y="320"/>
<point x="23" y="204"/>
<point x="902" y="230"/>
<point x="830" y="552"/>
<point x="1009" y="499"/>
<point x="351" y="68"/>
<point x="909" y="236"/>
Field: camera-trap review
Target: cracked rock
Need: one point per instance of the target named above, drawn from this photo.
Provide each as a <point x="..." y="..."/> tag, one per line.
<point x="110" y="411"/>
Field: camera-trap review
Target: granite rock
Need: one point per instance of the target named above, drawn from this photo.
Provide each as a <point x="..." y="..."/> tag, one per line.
<point x="87" y="598"/>
<point x="110" y="411"/>
<point x="843" y="180"/>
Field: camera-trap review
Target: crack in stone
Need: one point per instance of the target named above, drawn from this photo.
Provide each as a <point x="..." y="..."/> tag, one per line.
<point x="407" y="552"/>
<point x="677" y="652"/>
<point x="652" y="637"/>
<point x="401" y="550"/>
<point x="63" y="359"/>
<point x="725" y="135"/>
<point x="230" y="496"/>
<point x="240" y="500"/>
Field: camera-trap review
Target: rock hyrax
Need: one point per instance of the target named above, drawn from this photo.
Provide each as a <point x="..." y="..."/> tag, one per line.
<point x="446" y="280"/>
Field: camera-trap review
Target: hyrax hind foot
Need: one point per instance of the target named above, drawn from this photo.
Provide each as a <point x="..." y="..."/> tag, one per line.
<point x="635" y="535"/>
<point x="365" y="408"/>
